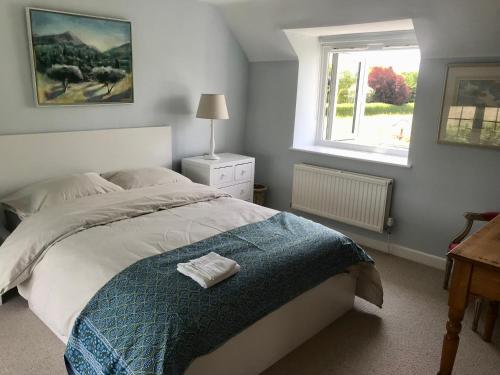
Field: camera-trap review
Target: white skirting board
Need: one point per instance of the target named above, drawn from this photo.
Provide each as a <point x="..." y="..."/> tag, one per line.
<point x="400" y="251"/>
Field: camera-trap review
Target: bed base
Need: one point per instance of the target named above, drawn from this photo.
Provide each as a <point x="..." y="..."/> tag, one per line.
<point x="277" y="334"/>
<point x="271" y="338"/>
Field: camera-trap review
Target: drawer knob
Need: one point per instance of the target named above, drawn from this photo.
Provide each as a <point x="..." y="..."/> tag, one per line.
<point x="243" y="172"/>
<point x="222" y="176"/>
<point x="242" y="191"/>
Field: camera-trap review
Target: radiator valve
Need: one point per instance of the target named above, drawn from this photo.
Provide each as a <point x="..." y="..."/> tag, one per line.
<point x="390" y="222"/>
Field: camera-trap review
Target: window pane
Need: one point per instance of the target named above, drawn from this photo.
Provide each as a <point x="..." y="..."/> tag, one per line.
<point x="468" y="112"/>
<point x="489" y="133"/>
<point x="490" y="114"/>
<point x="348" y="71"/>
<point x="390" y="96"/>
<point x="455" y="112"/>
<point x="458" y="130"/>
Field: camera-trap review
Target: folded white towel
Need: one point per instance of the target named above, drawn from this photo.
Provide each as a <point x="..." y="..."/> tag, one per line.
<point x="213" y="265"/>
<point x="209" y="269"/>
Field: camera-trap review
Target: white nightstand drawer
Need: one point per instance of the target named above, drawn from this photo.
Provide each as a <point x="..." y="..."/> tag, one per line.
<point x="243" y="172"/>
<point x="223" y="176"/>
<point x="241" y="191"/>
<point x="232" y="173"/>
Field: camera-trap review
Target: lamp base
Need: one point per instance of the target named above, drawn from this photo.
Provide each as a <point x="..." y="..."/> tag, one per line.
<point x="211" y="157"/>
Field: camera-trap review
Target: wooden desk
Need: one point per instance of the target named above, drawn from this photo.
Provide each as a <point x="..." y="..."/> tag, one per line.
<point x="476" y="270"/>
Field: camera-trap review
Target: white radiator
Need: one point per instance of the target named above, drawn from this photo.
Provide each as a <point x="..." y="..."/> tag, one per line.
<point x="356" y="199"/>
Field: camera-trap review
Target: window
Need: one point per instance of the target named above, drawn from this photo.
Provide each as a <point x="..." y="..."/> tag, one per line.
<point x="463" y="119"/>
<point x="368" y="93"/>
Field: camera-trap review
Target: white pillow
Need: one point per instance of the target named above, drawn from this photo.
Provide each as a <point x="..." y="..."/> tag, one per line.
<point x="144" y="177"/>
<point x="35" y="197"/>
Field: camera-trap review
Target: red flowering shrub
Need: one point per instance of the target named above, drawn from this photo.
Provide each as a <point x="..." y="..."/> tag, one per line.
<point x="388" y="87"/>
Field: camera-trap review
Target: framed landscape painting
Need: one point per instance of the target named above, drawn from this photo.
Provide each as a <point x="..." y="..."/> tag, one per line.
<point x="79" y="59"/>
<point x="471" y="106"/>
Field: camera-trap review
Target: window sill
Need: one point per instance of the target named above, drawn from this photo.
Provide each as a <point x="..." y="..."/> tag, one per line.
<point x="372" y="157"/>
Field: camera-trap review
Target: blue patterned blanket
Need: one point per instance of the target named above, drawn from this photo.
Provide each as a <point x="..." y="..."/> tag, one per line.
<point x="150" y="319"/>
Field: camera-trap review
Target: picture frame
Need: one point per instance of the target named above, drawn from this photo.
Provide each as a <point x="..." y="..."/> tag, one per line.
<point x="470" y="114"/>
<point x="79" y="59"/>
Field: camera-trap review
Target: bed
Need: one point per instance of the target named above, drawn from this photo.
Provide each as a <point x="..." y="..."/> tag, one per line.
<point x="71" y="253"/>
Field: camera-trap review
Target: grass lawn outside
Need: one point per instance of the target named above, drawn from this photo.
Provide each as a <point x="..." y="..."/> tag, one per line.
<point x="373" y="109"/>
<point x="381" y="124"/>
<point x="391" y="130"/>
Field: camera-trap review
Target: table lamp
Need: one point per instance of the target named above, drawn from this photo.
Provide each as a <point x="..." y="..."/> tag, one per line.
<point x="213" y="107"/>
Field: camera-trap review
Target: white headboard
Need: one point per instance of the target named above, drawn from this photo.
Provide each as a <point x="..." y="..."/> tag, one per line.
<point x="27" y="158"/>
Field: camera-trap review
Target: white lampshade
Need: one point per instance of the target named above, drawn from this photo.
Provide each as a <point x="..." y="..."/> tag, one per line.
<point x="212" y="106"/>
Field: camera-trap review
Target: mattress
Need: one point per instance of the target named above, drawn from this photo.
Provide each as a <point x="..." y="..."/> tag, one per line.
<point x="60" y="258"/>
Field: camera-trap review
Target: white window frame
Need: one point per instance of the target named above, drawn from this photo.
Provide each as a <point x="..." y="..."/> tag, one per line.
<point x="350" y="43"/>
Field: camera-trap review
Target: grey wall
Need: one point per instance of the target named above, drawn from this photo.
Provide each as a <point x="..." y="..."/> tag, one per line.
<point x="181" y="48"/>
<point x="429" y="198"/>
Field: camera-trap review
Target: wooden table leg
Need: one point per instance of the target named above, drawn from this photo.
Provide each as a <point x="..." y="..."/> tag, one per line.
<point x="490" y="321"/>
<point x="478" y="307"/>
<point x="459" y="293"/>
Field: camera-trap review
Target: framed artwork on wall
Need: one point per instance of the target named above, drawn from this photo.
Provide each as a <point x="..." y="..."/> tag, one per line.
<point x="471" y="106"/>
<point x="79" y="59"/>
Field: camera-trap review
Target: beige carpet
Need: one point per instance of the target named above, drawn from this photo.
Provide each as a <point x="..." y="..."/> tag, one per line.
<point x="402" y="338"/>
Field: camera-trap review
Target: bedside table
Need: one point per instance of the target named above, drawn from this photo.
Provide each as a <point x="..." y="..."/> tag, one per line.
<point x="232" y="173"/>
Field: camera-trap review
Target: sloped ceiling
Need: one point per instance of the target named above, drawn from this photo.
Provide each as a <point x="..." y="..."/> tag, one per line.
<point x="444" y="28"/>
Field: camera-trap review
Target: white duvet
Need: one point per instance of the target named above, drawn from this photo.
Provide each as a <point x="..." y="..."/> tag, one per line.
<point x="60" y="257"/>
